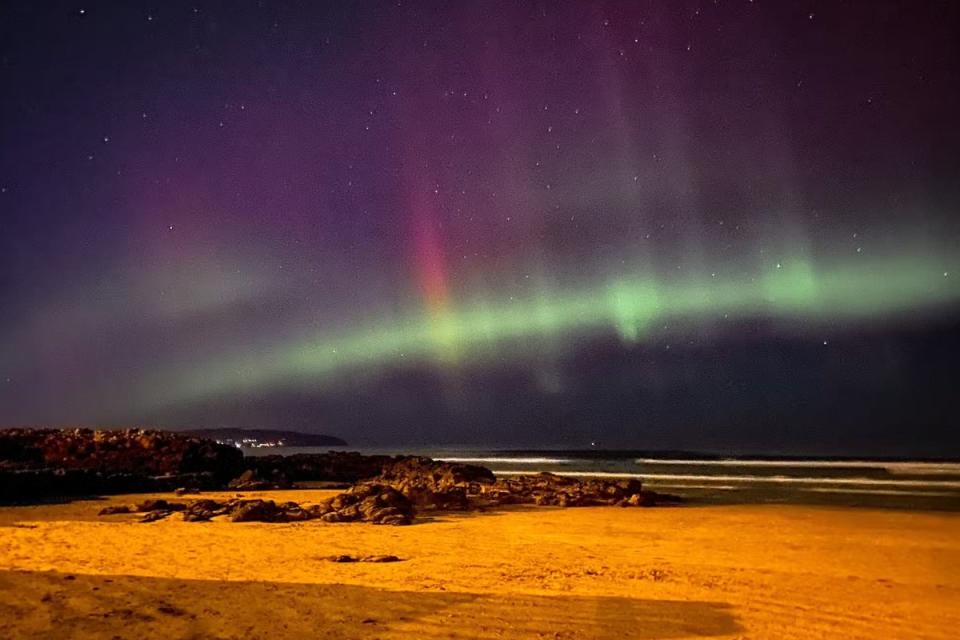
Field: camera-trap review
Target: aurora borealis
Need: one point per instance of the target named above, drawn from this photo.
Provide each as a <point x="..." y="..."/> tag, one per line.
<point x="697" y="224"/>
<point x="633" y="309"/>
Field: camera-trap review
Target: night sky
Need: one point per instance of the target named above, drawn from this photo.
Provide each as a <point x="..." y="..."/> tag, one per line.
<point x="727" y="225"/>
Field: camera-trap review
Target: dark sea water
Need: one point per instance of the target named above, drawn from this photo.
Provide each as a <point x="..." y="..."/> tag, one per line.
<point x="904" y="484"/>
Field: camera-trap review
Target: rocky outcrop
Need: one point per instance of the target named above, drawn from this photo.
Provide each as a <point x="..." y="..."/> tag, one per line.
<point x="436" y="485"/>
<point x="43" y="463"/>
<point x="115" y="509"/>
<point x="135" y="451"/>
<point x="27" y="485"/>
<point x="376" y="504"/>
<point x="548" y="489"/>
<point x="433" y="484"/>
<point x="266" y="511"/>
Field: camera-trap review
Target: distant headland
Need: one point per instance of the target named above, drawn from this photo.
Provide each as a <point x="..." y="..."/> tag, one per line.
<point x="255" y="438"/>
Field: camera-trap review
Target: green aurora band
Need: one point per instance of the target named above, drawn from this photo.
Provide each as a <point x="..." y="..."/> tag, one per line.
<point x="635" y="308"/>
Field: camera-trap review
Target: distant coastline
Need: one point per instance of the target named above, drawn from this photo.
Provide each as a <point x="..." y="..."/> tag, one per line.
<point x="266" y="438"/>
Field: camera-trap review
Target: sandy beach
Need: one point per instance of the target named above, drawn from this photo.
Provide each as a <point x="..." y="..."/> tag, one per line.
<point x="753" y="571"/>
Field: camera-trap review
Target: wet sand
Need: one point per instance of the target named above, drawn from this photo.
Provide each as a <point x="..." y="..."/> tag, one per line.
<point x="753" y="571"/>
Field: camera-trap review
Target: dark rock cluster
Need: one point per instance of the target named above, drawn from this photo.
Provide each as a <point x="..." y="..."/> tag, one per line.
<point x="28" y="485"/>
<point x="375" y="558"/>
<point x="553" y="490"/>
<point x="40" y="463"/>
<point x="136" y="451"/>
<point x="376" y="504"/>
<point x="433" y="484"/>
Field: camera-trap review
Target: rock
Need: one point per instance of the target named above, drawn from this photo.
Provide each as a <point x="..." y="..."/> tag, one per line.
<point x="378" y="504"/>
<point x="436" y="485"/>
<point x="380" y="558"/>
<point x="260" y="511"/>
<point x="293" y="512"/>
<point x="203" y="510"/>
<point x="160" y="505"/>
<point x="390" y="515"/>
<point x="554" y="490"/>
<point x="256" y="511"/>
<point x="153" y="516"/>
<point x="366" y="503"/>
<point x="432" y="484"/>
<point x="342" y="558"/>
<point x="350" y="513"/>
<point x="115" y="509"/>
<point x="246" y="477"/>
<point x="192" y="517"/>
<point x="373" y="558"/>
<point x="170" y="610"/>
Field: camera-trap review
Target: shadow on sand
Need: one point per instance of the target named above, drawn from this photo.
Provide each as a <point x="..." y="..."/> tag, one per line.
<point x="57" y="605"/>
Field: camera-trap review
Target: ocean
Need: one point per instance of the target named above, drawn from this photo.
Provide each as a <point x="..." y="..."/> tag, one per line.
<point x="901" y="484"/>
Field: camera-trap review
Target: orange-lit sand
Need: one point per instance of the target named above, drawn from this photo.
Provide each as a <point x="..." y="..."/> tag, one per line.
<point x="687" y="572"/>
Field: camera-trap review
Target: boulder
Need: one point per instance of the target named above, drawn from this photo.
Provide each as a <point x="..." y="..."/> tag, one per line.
<point x="153" y="516"/>
<point x="380" y="558"/>
<point x="432" y="484"/>
<point x="115" y="509"/>
<point x="203" y="510"/>
<point x="378" y="504"/>
<point x="342" y="558"/>
<point x="160" y="505"/>
<point x="373" y="558"/>
<point x="256" y="511"/>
